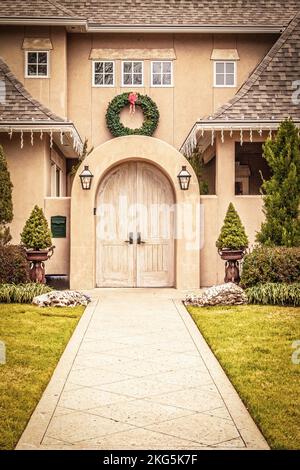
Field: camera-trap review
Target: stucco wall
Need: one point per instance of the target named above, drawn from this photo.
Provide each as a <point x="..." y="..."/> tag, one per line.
<point x="30" y="174"/>
<point x="51" y="91"/>
<point x="29" y="171"/>
<point x="60" y="261"/>
<point x="192" y="96"/>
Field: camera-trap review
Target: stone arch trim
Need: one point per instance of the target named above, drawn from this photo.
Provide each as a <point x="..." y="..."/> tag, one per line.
<point x="100" y="161"/>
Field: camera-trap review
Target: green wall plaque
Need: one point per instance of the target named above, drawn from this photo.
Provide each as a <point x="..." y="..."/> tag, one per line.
<point x="59" y="226"/>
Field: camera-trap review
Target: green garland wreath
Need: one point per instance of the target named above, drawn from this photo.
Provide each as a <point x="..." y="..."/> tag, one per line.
<point x="150" y="111"/>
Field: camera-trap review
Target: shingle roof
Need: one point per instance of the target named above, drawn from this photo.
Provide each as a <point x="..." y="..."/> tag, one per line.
<point x="16" y="104"/>
<point x="34" y="9"/>
<point x="268" y="92"/>
<point x="159" y="12"/>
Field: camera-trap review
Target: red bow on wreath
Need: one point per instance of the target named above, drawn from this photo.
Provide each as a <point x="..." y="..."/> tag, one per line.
<point x="132" y="98"/>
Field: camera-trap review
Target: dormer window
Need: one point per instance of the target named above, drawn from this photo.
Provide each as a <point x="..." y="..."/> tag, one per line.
<point x="36" y="64"/>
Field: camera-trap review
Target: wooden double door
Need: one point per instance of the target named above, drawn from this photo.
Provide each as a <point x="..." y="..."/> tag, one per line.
<point x="135" y="228"/>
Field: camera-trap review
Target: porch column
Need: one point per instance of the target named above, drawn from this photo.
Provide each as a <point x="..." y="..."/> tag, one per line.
<point x="225" y="169"/>
<point x="225" y="187"/>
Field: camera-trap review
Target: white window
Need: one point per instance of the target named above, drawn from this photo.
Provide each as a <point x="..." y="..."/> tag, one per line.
<point x="225" y="74"/>
<point x="161" y="73"/>
<point x="132" y="73"/>
<point x="104" y="73"/>
<point x="37" y="64"/>
<point x="56" y="180"/>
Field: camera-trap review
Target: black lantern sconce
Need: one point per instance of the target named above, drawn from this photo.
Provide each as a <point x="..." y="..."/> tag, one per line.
<point x="184" y="178"/>
<point x="86" y="178"/>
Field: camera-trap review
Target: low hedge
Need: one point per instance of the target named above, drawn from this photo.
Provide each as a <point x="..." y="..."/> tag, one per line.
<point x="274" y="294"/>
<point x="271" y="265"/>
<point x="22" y="293"/>
<point x="14" y="267"/>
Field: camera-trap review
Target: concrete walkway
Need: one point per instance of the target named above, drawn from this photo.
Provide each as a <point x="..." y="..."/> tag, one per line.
<point x="137" y="374"/>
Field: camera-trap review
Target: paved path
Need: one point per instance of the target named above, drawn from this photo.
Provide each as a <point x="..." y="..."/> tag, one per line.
<point x="137" y="374"/>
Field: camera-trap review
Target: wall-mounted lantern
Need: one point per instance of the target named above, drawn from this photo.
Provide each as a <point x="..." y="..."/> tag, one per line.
<point x="86" y="178"/>
<point x="184" y="178"/>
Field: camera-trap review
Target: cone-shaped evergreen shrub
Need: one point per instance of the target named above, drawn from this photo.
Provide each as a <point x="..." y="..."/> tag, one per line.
<point x="281" y="193"/>
<point x="6" y="206"/>
<point x="233" y="235"/>
<point x="36" y="233"/>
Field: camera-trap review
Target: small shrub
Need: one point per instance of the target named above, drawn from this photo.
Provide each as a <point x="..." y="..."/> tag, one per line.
<point x="6" y="205"/>
<point x="267" y="264"/>
<point x="274" y="294"/>
<point x="13" y="265"/>
<point x="36" y="233"/>
<point x="233" y="235"/>
<point x="22" y="293"/>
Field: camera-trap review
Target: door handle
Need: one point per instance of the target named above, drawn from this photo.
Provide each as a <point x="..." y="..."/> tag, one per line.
<point x="130" y="241"/>
<point x="139" y="239"/>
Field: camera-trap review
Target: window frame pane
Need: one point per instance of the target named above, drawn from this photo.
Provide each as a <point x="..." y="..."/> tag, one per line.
<point x="134" y="75"/>
<point x="30" y="62"/>
<point x="102" y="73"/>
<point x="225" y="74"/>
<point x="162" y="74"/>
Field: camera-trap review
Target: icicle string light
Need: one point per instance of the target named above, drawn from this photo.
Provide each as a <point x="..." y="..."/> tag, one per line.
<point x="22" y="140"/>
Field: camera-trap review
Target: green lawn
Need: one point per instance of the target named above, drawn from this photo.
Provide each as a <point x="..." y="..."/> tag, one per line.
<point x="254" y="346"/>
<point x="35" y="339"/>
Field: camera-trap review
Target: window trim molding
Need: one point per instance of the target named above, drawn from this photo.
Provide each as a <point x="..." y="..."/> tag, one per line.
<point x="53" y="189"/>
<point x="28" y="51"/>
<point x="96" y="85"/>
<point x="235" y="73"/>
<point x="123" y="85"/>
<point x="151" y="75"/>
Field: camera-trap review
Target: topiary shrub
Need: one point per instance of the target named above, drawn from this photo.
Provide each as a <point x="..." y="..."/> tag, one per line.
<point x="22" y="293"/>
<point x="13" y="265"/>
<point x="233" y="235"/>
<point x="274" y="294"/>
<point x="36" y="234"/>
<point x="266" y="264"/>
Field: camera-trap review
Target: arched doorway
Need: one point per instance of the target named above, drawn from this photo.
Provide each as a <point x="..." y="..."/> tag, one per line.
<point x="135" y="227"/>
<point x="83" y="224"/>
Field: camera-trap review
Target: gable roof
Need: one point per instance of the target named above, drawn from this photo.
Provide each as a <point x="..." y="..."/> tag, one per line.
<point x="264" y="13"/>
<point x="267" y="94"/>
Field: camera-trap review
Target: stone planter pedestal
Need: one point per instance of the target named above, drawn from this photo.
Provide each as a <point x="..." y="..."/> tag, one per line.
<point x="232" y="268"/>
<point x="36" y="260"/>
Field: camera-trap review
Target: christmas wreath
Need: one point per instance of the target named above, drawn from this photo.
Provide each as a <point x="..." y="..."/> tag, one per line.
<point x="149" y="108"/>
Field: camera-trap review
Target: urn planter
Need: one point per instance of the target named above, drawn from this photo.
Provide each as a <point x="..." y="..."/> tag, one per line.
<point x="36" y="260"/>
<point x="232" y="268"/>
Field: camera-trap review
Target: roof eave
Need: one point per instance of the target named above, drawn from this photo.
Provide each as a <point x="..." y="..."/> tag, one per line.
<point x="257" y="29"/>
<point x="43" y="21"/>
<point x="138" y="28"/>
<point x="235" y="125"/>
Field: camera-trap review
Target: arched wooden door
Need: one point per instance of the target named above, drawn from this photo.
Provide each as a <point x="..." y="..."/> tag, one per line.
<point x="135" y="228"/>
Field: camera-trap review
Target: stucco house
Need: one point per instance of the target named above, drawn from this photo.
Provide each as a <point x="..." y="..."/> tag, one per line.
<point x="223" y="75"/>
